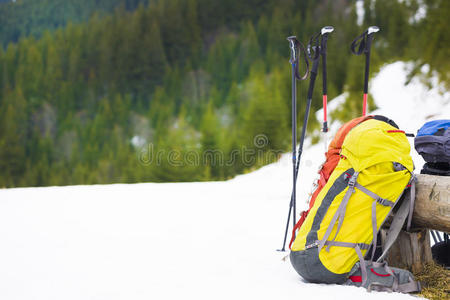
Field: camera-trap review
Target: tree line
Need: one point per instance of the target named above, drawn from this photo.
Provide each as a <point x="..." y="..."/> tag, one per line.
<point x="183" y="90"/>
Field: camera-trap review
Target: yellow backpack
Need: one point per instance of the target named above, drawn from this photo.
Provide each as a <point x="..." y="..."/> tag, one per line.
<point x="374" y="170"/>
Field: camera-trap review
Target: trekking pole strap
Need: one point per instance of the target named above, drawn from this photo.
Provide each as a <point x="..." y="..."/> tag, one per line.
<point x="359" y="42"/>
<point x="363" y="41"/>
<point x="297" y="49"/>
<point x="313" y="51"/>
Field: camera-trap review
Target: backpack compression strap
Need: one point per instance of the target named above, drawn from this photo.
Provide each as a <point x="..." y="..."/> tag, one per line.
<point x="404" y="212"/>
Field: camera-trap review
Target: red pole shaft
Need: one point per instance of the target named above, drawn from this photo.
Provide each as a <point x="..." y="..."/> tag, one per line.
<point x="364" y="112"/>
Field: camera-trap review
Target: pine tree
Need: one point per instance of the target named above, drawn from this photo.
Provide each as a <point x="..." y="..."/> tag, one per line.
<point x="13" y="134"/>
<point x="212" y="153"/>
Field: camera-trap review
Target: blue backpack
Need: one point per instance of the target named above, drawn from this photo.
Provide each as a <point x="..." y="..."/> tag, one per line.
<point x="433" y="141"/>
<point x="433" y="144"/>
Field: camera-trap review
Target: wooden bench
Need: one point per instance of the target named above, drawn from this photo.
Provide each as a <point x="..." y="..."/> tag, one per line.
<point x="431" y="211"/>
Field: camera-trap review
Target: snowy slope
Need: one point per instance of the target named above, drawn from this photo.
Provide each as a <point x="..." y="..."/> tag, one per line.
<point x="214" y="240"/>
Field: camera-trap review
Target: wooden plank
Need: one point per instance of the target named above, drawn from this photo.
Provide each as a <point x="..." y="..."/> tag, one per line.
<point x="432" y="205"/>
<point x="410" y="251"/>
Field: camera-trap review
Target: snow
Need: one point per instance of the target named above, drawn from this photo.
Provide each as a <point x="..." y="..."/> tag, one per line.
<point x="359" y="12"/>
<point x="412" y="105"/>
<point x="213" y="240"/>
<point x="420" y="14"/>
<point x="138" y="141"/>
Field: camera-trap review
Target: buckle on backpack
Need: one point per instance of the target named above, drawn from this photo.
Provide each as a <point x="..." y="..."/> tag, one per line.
<point x="315" y="244"/>
<point x="384" y="202"/>
<point x="352" y="181"/>
<point x="363" y="246"/>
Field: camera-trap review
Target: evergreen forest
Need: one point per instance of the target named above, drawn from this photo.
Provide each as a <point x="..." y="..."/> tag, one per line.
<point x="108" y="91"/>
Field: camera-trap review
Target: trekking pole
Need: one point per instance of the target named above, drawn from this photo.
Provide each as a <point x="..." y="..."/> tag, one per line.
<point x="323" y="51"/>
<point x="434" y="236"/>
<point x="314" y="53"/>
<point x="296" y="49"/>
<point x="365" y="42"/>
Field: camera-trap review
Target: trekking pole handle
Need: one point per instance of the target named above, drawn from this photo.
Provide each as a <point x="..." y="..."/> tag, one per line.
<point x="296" y="49"/>
<point x="363" y="41"/>
<point x="360" y="45"/>
<point x="373" y="29"/>
<point x="326" y="30"/>
<point x="370" y="31"/>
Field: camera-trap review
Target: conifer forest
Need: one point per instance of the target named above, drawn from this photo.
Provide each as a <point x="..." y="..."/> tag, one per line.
<point x="109" y="91"/>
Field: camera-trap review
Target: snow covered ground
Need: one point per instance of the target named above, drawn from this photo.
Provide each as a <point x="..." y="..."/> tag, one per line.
<point x="214" y="240"/>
